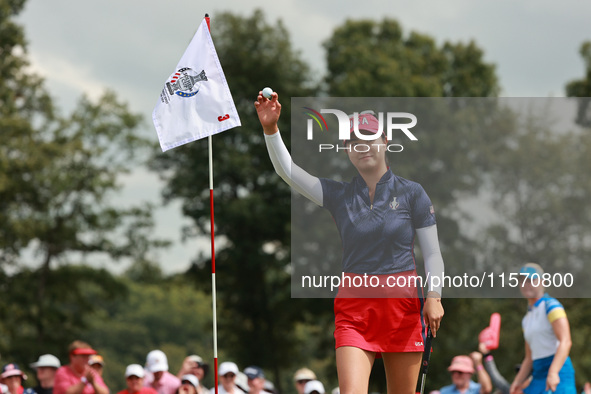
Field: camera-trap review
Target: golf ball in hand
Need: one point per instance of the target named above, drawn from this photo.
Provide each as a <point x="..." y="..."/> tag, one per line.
<point x="267" y="92"/>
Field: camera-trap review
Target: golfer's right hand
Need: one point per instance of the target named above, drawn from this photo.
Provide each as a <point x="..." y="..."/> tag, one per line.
<point x="268" y="111"/>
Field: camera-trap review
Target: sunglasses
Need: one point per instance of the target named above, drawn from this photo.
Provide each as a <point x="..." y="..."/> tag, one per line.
<point x="302" y="381"/>
<point x="229" y="375"/>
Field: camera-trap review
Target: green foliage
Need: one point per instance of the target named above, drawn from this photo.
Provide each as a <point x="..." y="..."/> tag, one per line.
<point x="58" y="180"/>
<point x="21" y="93"/>
<point x="171" y="315"/>
<point x="581" y="88"/>
<point x="376" y="59"/>
<point x="539" y="188"/>
<point x="51" y="315"/>
<point x="57" y="175"/>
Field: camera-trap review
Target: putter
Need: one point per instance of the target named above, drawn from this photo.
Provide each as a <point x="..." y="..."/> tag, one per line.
<point x="425" y="363"/>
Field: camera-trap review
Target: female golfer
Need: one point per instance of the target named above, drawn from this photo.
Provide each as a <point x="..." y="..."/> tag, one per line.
<point x="547" y="340"/>
<point x="378" y="215"/>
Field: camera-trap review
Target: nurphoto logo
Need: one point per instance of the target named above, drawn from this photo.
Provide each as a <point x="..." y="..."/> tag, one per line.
<point x="356" y="123"/>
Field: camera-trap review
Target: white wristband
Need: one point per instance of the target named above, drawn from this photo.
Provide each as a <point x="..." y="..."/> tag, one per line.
<point x="84" y="380"/>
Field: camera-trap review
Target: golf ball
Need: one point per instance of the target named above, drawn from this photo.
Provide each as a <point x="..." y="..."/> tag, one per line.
<point x="267" y="92"/>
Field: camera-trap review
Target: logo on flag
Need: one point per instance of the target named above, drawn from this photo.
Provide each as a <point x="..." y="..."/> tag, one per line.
<point x="196" y="101"/>
<point x="185" y="82"/>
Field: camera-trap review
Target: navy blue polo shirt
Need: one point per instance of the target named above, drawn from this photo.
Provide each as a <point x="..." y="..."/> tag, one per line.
<point x="378" y="238"/>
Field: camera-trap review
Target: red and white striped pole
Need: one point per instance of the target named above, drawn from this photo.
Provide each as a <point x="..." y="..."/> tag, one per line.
<point x="212" y="225"/>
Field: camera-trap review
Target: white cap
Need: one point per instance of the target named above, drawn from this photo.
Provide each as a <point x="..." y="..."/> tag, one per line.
<point x="46" y="360"/>
<point x="156" y="361"/>
<point x="269" y="387"/>
<point x="241" y="381"/>
<point x="304" y="374"/>
<point x="314" y="385"/>
<point x="96" y="359"/>
<point x="195" y="358"/>
<point x="191" y="379"/>
<point x="135" y="370"/>
<point x="227" y="367"/>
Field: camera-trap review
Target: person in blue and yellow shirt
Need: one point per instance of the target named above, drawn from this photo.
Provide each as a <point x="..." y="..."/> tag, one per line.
<point x="547" y="339"/>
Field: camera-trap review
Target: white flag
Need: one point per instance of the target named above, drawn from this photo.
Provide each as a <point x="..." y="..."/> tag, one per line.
<point x="196" y="101"/>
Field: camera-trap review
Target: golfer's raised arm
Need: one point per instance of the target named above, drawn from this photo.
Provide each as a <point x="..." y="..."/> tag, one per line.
<point x="307" y="185"/>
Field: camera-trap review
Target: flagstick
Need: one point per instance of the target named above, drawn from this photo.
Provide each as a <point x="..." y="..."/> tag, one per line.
<point x="212" y="225"/>
<point x="213" y="286"/>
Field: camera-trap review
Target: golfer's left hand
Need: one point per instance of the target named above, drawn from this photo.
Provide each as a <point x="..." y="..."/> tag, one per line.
<point x="433" y="312"/>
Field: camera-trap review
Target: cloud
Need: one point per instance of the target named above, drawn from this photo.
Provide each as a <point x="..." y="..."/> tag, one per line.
<point x="73" y="77"/>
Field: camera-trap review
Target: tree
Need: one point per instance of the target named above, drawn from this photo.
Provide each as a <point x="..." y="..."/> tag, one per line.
<point x="582" y="88"/>
<point x="376" y="59"/>
<point x="72" y="294"/>
<point x="538" y="189"/>
<point x="21" y="96"/>
<point x="57" y="175"/>
<point x="168" y="314"/>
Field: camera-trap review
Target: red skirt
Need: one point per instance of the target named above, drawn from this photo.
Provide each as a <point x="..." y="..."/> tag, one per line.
<point x="380" y="324"/>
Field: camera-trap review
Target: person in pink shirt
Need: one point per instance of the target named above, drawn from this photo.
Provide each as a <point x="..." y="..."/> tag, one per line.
<point x="134" y="377"/>
<point x="78" y="377"/>
<point x="158" y="376"/>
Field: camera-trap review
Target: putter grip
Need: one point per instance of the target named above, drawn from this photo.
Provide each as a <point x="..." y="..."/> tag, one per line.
<point x="427" y="351"/>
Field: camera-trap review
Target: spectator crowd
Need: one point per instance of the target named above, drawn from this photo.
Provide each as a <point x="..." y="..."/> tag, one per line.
<point x="84" y="375"/>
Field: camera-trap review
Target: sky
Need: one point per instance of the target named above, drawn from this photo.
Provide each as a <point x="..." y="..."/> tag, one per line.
<point x="132" y="46"/>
